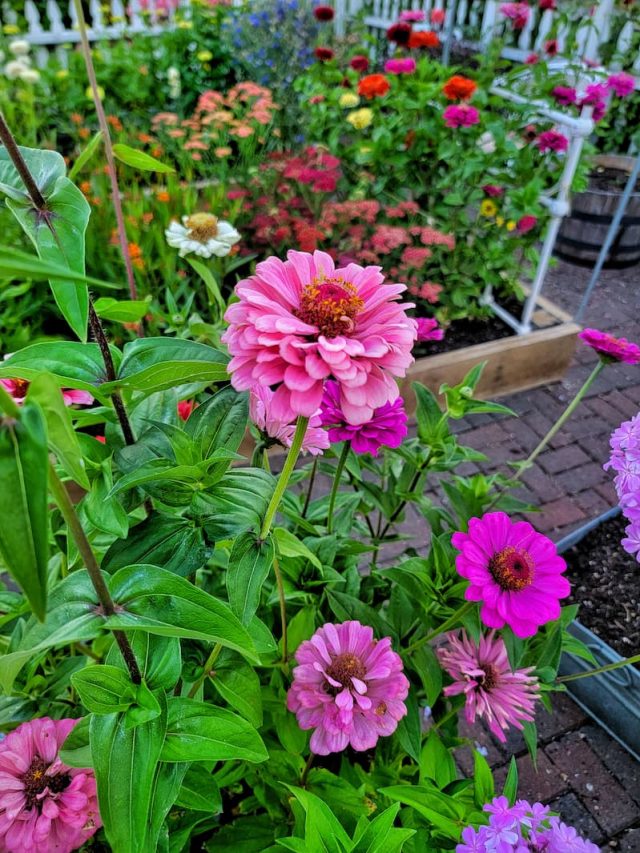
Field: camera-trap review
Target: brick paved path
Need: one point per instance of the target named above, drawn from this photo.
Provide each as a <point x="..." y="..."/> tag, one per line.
<point x="582" y="772"/>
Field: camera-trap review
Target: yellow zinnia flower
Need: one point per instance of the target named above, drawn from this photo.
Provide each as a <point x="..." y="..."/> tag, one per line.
<point x="360" y="118"/>
<point x="10" y="30"/>
<point x="488" y="208"/>
<point x="62" y="73"/>
<point x="89" y="93"/>
<point x="499" y="221"/>
<point x="204" y="55"/>
<point x="349" y="100"/>
<point x="511" y="225"/>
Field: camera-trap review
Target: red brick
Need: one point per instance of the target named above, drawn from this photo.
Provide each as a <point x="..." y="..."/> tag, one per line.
<point x="539" y="784"/>
<point x="544" y="487"/>
<point x="557" y="514"/>
<point x="566" y="716"/>
<point x="565" y="458"/>
<point x="573" y="812"/>
<point x="588" y="777"/>
<point x="586" y="476"/>
<point x="477" y="735"/>
<point x="592" y="503"/>
<point x="628" y="842"/>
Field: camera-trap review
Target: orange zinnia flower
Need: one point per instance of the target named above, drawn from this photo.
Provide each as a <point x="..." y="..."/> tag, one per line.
<point x="459" y="88"/>
<point x="373" y="86"/>
<point x="423" y="38"/>
<point x="135" y="252"/>
<point x="163" y="196"/>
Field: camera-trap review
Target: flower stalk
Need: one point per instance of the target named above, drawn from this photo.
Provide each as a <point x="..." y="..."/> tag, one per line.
<point x="607" y="668"/>
<point x="449" y="623"/>
<point x="342" y="461"/>
<point x="285" y="475"/>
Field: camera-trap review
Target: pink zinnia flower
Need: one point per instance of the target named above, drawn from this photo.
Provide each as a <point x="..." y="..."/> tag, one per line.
<point x="622" y="84"/>
<point x="302" y="321"/>
<point x="400" y="66"/>
<point x="347" y="686"/>
<point x="552" y="140"/>
<point x="276" y="431"/>
<point x="492" y="690"/>
<point x="526" y="223"/>
<point x="437" y="16"/>
<point x="594" y="93"/>
<point x="565" y="95"/>
<point x="428" y="329"/>
<point x="44" y="805"/>
<point x="185" y="407"/>
<point x="610" y="348"/>
<point x="631" y="541"/>
<point x="543" y="5"/>
<point x="532" y="59"/>
<point x="518" y="13"/>
<point x="387" y="427"/>
<point x="461" y="115"/>
<point x="413" y="16"/>
<point x="493" y="191"/>
<point x="551" y="47"/>
<point x="17" y="388"/>
<point x="514" y="571"/>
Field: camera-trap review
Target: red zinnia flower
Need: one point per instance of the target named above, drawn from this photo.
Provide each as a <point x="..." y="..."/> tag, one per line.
<point x="324" y="13"/>
<point x="324" y="54"/>
<point x="359" y="62"/>
<point x="458" y="88"/>
<point x="423" y="38"/>
<point x="526" y="223"/>
<point x="399" y="33"/>
<point x="437" y="16"/>
<point x="551" y="47"/>
<point x="373" y="86"/>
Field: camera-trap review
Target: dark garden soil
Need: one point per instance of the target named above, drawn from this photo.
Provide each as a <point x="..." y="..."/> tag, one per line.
<point x="466" y="333"/>
<point x="605" y="179"/>
<point x="605" y="583"/>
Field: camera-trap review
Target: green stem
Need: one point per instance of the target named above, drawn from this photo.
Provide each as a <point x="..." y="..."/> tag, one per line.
<point x="402" y="504"/>
<point x="285" y="475"/>
<point x="213" y="657"/>
<point x="342" y="461"/>
<point x="312" y="479"/>
<point x="62" y="499"/>
<point x="608" y="668"/>
<point x="307" y="767"/>
<point x="283" y="609"/>
<point x="451" y="622"/>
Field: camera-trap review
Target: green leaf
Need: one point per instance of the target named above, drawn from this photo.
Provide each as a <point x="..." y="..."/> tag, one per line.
<point x="15" y="263"/>
<point x="249" y="564"/>
<point x="72" y="616"/>
<point x="209" y="280"/>
<point x="510" y="789"/>
<point x="138" y="159"/>
<point x="85" y="155"/>
<point x="236" y="504"/>
<point x="436" y="762"/>
<point x="120" y="310"/>
<point x="153" y="364"/>
<point x="74" y="365"/>
<point x="168" y="541"/>
<point x="444" y="812"/>
<point x="104" y="689"/>
<point x="322" y="831"/>
<point x="289" y="545"/>
<point x="159" y="659"/>
<point x="197" y="731"/>
<point x="61" y="436"/>
<point x="125" y="762"/>
<point x="219" y="422"/>
<point x="409" y="731"/>
<point x="200" y="791"/>
<point x="483" y="785"/>
<point x="24" y="530"/>
<point x="154" y="600"/>
<point x="432" y="425"/>
<point x="239" y="686"/>
<point x="76" y="751"/>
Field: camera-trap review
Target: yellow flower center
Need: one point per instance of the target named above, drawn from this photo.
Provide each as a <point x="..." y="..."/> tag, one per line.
<point x="202" y="226"/>
<point x="332" y="305"/>
<point x="512" y="569"/>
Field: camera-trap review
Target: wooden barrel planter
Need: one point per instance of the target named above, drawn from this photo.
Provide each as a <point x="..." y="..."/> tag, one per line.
<point x="583" y="232"/>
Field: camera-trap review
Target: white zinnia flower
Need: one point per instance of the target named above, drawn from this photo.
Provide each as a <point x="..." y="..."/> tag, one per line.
<point x="203" y="234"/>
<point x="20" y="47"/>
<point x="30" y="75"/>
<point x="487" y="142"/>
<point x="15" y="68"/>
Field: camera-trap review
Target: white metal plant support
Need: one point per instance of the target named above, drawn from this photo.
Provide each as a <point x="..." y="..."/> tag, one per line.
<point x="557" y="201"/>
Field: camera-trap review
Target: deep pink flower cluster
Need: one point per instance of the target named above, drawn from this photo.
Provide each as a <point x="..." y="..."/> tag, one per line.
<point x="387" y="427"/>
<point x="319" y="170"/>
<point x="405" y="65"/>
<point x="622" y="84"/>
<point x="552" y="140"/>
<point x="526" y="223"/>
<point x="517" y="13"/>
<point x="625" y="461"/>
<point x="514" y="571"/>
<point x="610" y="348"/>
<point x="413" y="16"/>
<point x="460" y="115"/>
<point x="492" y="690"/>
<point x="45" y="806"/>
<point x="348" y="687"/>
<point x="522" y="828"/>
<point x="276" y="431"/>
<point x="565" y="95"/>
<point x="429" y="330"/>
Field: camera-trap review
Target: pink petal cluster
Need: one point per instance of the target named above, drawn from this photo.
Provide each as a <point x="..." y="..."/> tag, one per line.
<point x="17" y="388"/>
<point x="437" y="16"/>
<point x="429" y="330"/>
<point x="493" y="191"/>
<point x="276" y="431"/>
<point x="400" y="66"/>
<point x="625" y="461"/>
<point x="45" y="806"/>
<point x="302" y="321"/>
<point x="413" y="16"/>
<point x="514" y="571"/>
<point x="565" y="95"/>
<point x="526" y="223"/>
<point x="348" y="687"/>
<point x="594" y="93"/>
<point x="387" y="427"/>
<point x="492" y="690"/>
<point x="461" y="115"/>
<point x="610" y="348"/>
<point x="622" y="84"/>
<point x="518" y="13"/>
<point x="552" y="140"/>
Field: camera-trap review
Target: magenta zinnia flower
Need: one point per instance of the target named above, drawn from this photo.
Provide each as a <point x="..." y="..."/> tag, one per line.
<point x="428" y="329"/>
<point x="45" y="806"/>
<point x="348" y="687"/>
<point x="622" y="84"/>
<point x="302" y="321"/>
<point x="514" y="571"/>
<point x="552" y="140"/>
<point x="565" y="95"/>
<point x="276" y="431"/>
<point x="526" y="223"/>
<point x="460" y="115"/>
<point x="387" y="427"/>
<point x="518" y="13"/>
<point x="492" y="690"/>
<point x="610" y="348"/>
<point x="17" y="388"/>
<point x="400" y="66"/>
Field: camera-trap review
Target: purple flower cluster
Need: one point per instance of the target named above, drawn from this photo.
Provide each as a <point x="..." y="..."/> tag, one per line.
<point x="625" y="461"/>
<point x="522" y="828"/>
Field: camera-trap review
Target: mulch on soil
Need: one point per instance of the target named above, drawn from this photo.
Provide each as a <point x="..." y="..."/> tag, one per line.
<point x="605" y="583"/>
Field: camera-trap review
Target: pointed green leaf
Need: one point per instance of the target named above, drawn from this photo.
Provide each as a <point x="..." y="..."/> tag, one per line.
<point x="250" y="562"/>
<point x="219" y="422"/>
<point x="85" y="155"/>
<point x="138" y="159"/>
<point x="104" y="689"/>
